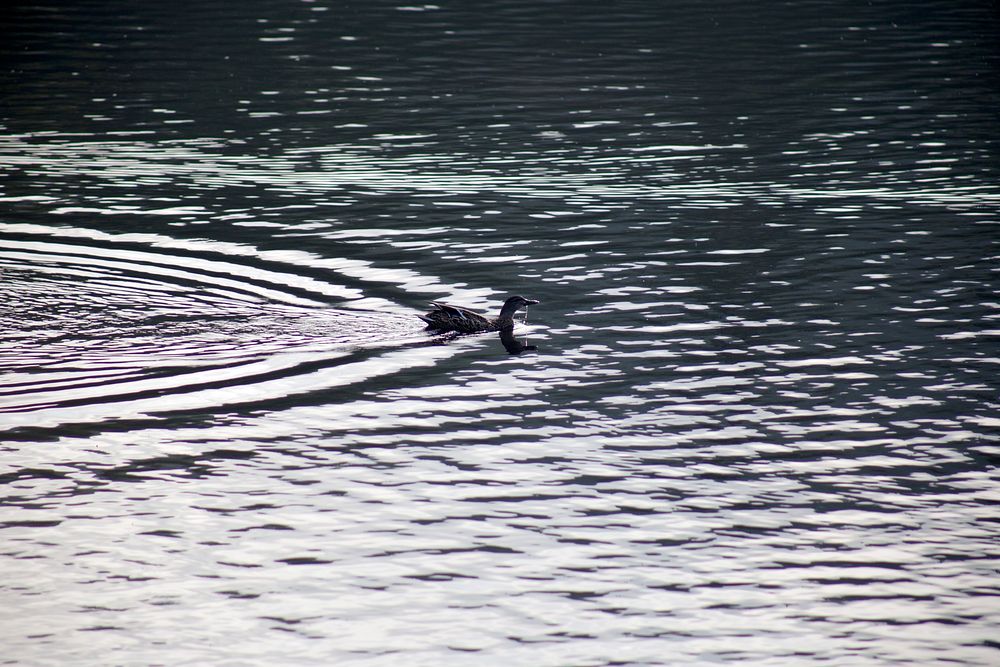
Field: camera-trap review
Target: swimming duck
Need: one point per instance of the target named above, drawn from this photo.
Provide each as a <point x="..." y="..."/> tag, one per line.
<point x="453" y="318"/>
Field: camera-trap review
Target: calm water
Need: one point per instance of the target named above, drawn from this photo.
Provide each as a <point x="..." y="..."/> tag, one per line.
<point x="760" y="425"/>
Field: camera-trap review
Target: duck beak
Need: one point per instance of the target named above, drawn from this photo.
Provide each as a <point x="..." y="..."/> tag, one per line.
<point x="530" y="302"/>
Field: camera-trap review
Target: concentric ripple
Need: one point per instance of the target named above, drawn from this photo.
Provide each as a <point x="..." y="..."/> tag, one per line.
<point x="113" y="329"/>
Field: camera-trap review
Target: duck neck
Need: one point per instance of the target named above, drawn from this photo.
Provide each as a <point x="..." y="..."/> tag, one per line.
<point x="505" y="321"/>
<point x="506" y="318"/>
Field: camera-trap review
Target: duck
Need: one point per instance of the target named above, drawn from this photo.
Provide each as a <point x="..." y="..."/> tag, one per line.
<point x="444" y="317"/>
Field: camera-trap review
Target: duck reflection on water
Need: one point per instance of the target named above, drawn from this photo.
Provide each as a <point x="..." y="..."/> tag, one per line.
<point x="444" y="317"/>
<point x="513" y="345"/>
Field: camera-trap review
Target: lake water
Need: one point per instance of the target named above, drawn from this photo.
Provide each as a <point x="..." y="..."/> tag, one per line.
<point x="760" y="421"/>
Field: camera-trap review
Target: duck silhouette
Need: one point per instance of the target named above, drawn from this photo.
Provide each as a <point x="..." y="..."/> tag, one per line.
<point x="445" y="317"/>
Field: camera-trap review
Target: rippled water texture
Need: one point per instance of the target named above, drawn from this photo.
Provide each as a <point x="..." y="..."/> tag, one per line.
<point x="754" y="419"/>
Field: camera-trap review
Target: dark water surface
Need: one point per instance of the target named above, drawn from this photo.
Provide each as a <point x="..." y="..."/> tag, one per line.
<point x="761" y="422"/>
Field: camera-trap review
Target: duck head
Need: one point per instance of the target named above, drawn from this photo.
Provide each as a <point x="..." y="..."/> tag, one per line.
<point x="510" y="306"/>
<point x="515" y="302"/>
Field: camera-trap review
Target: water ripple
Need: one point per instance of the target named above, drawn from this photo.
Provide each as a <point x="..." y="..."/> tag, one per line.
<point x="759" y="422"/>
<point x="577" y="179"/>
<point x="101" y="330"/>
